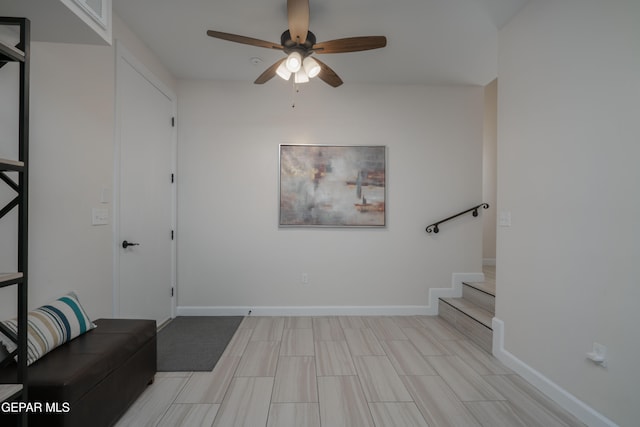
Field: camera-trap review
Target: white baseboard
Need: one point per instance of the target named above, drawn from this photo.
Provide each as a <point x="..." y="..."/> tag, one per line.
<point x="386" y="310"/>
<point x="402" y="310"/>
<point x="455" y="291"/>
<point x="566" y="400"/>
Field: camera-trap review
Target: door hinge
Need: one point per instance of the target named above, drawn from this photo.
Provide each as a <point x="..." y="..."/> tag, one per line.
<point x="172" y="178"/>
<point x="173" y="122"/>
<point x="172" y="291"/>
<point x="171" y="234"/>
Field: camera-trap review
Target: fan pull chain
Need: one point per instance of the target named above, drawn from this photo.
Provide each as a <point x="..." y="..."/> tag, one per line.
<point x="294" y="90"/>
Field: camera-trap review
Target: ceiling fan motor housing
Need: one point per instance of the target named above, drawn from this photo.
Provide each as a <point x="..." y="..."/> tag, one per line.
<point x="305" y="49"/>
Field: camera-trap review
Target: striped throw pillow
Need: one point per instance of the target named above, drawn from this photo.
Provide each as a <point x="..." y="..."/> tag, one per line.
<point x="50" y="326"/>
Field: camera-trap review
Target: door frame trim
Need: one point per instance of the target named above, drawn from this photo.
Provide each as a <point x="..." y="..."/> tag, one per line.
<point x="123" y="55"/>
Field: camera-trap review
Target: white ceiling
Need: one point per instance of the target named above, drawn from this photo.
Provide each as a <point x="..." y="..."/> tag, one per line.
<point x="428" y="41"/>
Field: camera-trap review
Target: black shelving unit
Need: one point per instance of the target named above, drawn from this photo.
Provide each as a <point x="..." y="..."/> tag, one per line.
<point x="9" y="168"/>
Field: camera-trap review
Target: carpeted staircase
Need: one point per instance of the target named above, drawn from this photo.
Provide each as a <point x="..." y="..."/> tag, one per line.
<point x="472" y="313"/>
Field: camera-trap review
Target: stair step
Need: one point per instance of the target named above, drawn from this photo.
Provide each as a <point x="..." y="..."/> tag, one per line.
<point x="482" y="298"/>
<point x="470" y="309"/>
<point x="488" y="287"/>
<point x="470" y="319"/>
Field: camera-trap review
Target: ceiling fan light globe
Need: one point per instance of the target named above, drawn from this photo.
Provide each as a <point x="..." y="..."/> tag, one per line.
<point x="311" y="67"/>
<point x="301" y="77"/>
<point x="283" y="72"/>
<point x="294" y="62"/>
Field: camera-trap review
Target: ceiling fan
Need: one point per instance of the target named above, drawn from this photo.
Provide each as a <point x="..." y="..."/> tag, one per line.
<point x="299" y="44"/>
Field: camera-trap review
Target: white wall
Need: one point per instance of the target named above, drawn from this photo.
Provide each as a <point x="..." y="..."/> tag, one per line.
<point x="568" y="150"/>
<point x="489" y="171"/>
<point x="231" y="251"/>
<point x="72" y="122"/>
<point x="71" y="157"/>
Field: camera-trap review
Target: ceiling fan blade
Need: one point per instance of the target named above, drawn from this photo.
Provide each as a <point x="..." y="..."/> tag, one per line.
<point x="350" y="44"/>
<point x="244" y="40"/>
<point x="327" y="75"/>
<point x="298" y="18"/>
<point x="269" y="73"/>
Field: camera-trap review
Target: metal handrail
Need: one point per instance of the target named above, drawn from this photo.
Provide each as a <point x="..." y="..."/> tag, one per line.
<point x="434" y="227"/>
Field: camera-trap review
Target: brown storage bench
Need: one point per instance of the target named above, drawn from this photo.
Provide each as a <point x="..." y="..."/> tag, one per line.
<point x="98" y="375"/>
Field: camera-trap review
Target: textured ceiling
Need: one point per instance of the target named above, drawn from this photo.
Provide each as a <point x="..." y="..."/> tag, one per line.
<point x="429" y="41"/>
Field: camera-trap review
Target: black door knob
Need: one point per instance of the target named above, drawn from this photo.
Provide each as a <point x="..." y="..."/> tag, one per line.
<point x="126" y="244"/>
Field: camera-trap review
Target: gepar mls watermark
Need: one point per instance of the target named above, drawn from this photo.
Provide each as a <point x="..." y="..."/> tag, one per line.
<point x="35" y="407"/>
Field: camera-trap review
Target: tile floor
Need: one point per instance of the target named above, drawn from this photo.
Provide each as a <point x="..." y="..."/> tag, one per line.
<point x="347" y="371"/>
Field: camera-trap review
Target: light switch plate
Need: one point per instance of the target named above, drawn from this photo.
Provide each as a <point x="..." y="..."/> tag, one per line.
<point x="99" y="216"/>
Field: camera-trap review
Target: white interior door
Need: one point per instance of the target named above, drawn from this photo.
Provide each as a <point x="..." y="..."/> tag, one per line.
<point x="145" y="196"/>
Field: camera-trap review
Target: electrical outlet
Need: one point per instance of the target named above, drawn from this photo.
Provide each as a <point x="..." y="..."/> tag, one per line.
<point x="504" y="219"/>
<point x="305" y="279"/>
<point x="600" y="350"/>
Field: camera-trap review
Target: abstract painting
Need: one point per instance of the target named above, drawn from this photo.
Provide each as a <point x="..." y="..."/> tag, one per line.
<point x="332" y="186"/>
